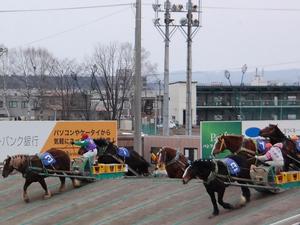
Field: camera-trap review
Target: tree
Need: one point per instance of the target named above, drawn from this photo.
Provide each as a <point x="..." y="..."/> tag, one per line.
<point x="37" y="63"/>
<point x="112" y="69"/>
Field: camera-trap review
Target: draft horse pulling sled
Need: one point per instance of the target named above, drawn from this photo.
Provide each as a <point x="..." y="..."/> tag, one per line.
<point x="234" y="170"/>
<point x="57" y="163"/>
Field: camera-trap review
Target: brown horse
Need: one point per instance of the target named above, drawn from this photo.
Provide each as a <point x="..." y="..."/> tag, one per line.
<point x="174" y="162"/>
<point x="25" y="163"/>
<point x="236" y="144"/>
<point x="291" y="158"/>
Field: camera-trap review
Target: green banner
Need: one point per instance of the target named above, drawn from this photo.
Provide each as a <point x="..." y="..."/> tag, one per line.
<point x="211" y="130"/>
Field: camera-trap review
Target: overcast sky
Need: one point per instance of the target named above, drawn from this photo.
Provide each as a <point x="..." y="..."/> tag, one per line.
<point x="259" y="33"/>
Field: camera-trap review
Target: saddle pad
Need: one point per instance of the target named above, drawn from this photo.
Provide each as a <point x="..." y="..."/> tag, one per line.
<point x="232" y="166"/>
<point x="297" y="143"/>
<point x="47" y="159"/>
<point x="261" y="145"/>
<point x="123" y="152"/>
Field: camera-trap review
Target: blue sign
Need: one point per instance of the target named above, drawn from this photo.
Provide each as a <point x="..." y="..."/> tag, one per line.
<point x="252" y="132"/>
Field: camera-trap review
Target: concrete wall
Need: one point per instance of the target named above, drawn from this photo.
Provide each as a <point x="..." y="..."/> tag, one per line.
<point x="176" y="142"/>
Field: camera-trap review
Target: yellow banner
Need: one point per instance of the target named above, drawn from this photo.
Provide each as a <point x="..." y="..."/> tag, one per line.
<point x="64" y="132"/>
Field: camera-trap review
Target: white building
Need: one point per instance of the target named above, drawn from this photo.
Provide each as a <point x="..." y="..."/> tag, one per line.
<point x="177" y="103"/>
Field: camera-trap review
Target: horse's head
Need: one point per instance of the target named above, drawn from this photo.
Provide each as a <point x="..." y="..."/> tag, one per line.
<point x="8" y="167"/>
<point x="220" y="145"/>
<point x="269" y="131"/>
<point x="198" y="169"/>
<point x="165" y="155"/>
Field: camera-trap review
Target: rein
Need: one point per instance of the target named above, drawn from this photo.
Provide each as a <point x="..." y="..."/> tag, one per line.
<point x="223" y="143"/>
<point x="175" y="160"/>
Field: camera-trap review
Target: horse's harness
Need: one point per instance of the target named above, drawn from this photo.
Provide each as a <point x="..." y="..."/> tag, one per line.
<point x="214" y="174"/>
<point x="241" y="149"/>
<point x="175" y="160"/>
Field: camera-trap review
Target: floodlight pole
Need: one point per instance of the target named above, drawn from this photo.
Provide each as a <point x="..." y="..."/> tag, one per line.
<point x="137" y="81"/>
<point x="188" y="125"/>
<point x="166" y="72"/>
<point x="192" y="27"/>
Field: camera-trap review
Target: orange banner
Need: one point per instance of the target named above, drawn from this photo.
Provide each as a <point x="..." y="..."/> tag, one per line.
<point x="64" y="132"/>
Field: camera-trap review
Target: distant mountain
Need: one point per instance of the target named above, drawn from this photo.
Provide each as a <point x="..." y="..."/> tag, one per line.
<point x="279" y="77"/>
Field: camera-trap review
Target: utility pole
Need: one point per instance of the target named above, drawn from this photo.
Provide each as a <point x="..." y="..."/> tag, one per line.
<point x="188" y="125"/>
<point x="166" y="35"/>
<point x="192" y="26"/>
<point x="137" y="80"/>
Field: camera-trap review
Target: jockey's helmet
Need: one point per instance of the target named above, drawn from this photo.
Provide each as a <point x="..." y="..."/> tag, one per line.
<point x="294" y="137"/>
<point x="268" y="145"/>
<point x="84" y="136"/>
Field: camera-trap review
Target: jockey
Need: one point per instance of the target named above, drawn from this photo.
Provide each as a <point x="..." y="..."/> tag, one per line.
<point x="294" y="137"/>
<point x="273" y="156"/>
<point x="89" y="145"/>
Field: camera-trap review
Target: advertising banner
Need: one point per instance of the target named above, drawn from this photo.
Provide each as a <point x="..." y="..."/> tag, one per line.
<point x="210" y="130"/>
<point x="288" y="127"/>
<point x="31" y="137"/>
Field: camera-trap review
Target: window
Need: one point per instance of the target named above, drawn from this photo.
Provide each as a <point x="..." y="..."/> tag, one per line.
<point x="292" y="116"/>
<point x="190" y="153"/>
<point x="218" y="117"/>
<point x="218" y="100"/>
<point x="1" y="104"/>
<point x="24" y="104"/>
<point x="12" y="104"/>
<point x="292" y="100"/>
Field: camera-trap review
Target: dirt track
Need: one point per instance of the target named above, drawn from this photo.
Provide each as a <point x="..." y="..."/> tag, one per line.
<point x="137" y="201"/>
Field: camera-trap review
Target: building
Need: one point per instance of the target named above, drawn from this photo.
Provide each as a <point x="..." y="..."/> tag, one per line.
<point x="248" y="103"/>
<point x="177" y="104"/>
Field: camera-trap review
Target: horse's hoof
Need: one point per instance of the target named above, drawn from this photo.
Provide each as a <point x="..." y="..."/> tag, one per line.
<point x="228" y="206"/>
<point x="212" y="216"/>
<point x="243" y="201"/>
<point x="48" y="195"/>
<point x="62" y="189"/>
<point x="76" y="183"/>
<point x="26" y="200"/>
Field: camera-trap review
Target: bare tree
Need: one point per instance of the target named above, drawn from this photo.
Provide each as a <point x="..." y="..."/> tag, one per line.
<point x="37" y="63"/>
<point x="69" y="90"/>
<point x="112" y="70"/>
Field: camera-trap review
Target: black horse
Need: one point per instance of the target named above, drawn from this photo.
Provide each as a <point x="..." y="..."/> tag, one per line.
<point x="108" y="152"/>
<point x="24" y="163"/>
<point x="215" y="172"/>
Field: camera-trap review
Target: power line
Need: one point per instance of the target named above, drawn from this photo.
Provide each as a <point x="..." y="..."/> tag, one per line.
<point x="75" y="28"/>
<point x="65" y="9"/>
<point x="251" y="9"/>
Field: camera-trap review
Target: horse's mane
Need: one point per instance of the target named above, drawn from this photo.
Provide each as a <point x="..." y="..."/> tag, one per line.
<point x="103" y="142"/>
<point x="19" y="160"/>
<point x="279" y="132"/>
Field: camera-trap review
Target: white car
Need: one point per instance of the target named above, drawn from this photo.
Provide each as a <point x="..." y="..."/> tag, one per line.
<point x="172" y="124"/>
